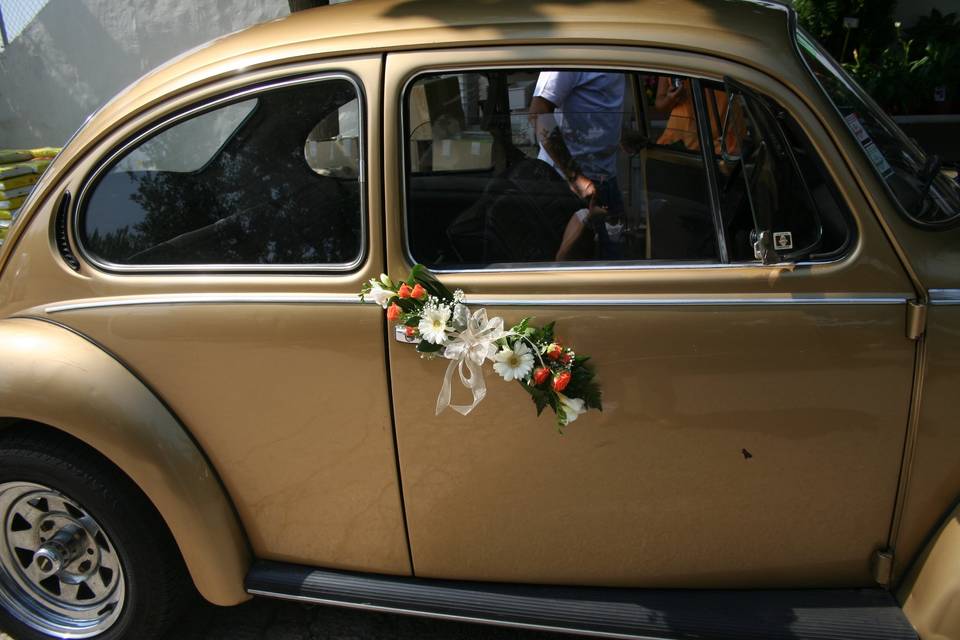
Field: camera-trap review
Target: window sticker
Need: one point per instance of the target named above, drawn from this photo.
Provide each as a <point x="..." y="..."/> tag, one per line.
<point x="857" y="128"/>
<point x="873" y="152"/>
<point x="782" y="240"/>
<point x="876" y="157"/>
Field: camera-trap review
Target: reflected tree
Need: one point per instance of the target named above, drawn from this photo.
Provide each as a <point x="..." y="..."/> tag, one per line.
<point x="256" y="202"/>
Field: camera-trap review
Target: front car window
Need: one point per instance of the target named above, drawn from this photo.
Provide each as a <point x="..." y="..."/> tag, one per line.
<point x="680" y="173"/>
<point x="925" y="194"/>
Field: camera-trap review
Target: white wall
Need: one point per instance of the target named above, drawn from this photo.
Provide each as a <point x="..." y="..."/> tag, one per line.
<point x="76" y="54"/>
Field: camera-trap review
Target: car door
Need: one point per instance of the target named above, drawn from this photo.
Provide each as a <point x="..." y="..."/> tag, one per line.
<point x="753" y="415"/>
<point x="222" y="237"/>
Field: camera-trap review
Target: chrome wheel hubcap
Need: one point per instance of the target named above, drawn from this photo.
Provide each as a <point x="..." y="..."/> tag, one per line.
<point x="59" y="572"/>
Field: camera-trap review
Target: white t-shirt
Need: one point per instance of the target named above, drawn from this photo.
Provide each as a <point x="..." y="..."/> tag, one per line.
<point x="589" y="114"/>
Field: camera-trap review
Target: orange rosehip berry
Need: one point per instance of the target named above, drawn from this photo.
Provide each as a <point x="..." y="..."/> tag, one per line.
<point x="540" y="375"/>
<point x="393" y="312"/>
<point x="561" y="380"/>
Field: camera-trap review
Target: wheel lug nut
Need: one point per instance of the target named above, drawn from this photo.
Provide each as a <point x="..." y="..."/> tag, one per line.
<point x="89" y="552"/>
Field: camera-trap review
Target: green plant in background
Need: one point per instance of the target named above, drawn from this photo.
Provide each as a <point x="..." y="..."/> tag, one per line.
<point x="824" y="19"/>
<point x="938" y="37"/>
<point x="901" y="69"/>
<point x="896" y="79"/>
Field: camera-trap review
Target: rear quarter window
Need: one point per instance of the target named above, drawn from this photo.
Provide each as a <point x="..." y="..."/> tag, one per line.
<point x="271" y="179"/>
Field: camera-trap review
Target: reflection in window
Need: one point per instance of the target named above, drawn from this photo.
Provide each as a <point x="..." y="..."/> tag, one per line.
<point x="246" y="193"/>
<point x="333" y="146"/>
<point x="493" y="179"/>
<point x="190" y="145"/>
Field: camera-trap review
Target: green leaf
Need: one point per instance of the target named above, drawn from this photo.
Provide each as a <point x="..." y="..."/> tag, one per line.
<point x="433" y="286"/>
<point x="544" y="334"/>
<point x="408" y="305"/>
<point x="540" y="396"/>
<point x="428" y="347"/>
<point x="522" y="327"/>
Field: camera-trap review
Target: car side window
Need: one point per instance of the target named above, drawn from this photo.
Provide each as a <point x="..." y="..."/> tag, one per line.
<point x="507" y="168"/>
<point x="272" y="178"/>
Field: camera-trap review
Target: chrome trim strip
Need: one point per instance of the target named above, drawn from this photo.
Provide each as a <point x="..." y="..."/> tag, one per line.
<point x="166" y="122"/>
<point x="944" y="296"/>
<point x="591" y="266"/>
<point x="718" y="301"/>
<point x="449" y="616"/>
<point x="326" y="298"/>
<point x="208" y="298"/>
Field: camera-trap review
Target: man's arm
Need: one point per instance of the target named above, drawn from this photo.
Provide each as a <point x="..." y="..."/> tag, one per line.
<point x="551" y="139"/>
<point x="667" y="95"/>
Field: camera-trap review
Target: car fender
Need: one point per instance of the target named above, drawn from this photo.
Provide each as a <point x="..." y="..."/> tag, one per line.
<point x="930" y="594"/>
<point x="51" y="375"/>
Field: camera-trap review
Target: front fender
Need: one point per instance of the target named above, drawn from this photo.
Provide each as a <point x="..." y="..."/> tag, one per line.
<point x="51" y="375"/>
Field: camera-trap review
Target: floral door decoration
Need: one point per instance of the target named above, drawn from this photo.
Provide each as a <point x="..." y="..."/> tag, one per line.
<point x="438" y="322"/>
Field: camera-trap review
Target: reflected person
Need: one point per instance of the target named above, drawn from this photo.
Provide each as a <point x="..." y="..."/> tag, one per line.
<point x="577" y="117"/>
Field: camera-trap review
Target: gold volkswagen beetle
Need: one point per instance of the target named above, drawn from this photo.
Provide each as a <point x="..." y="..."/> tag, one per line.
<point x="763" y="269"/>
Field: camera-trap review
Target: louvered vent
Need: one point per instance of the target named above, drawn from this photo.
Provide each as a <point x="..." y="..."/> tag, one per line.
<point x="63" y="243"/>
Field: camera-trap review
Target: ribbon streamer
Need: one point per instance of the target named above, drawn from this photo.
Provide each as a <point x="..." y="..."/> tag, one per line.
<point x="468" y="348"/>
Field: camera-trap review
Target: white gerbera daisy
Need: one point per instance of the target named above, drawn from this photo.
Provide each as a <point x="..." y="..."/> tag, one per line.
<point x="433" y="325"/>
<point x="514" y="364"/>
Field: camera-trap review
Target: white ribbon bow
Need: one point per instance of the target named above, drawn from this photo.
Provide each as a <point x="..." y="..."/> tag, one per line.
<point x="469" y="348"/>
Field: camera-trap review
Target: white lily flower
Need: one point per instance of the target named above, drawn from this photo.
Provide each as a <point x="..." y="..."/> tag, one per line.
<point x="379" y="295"/>
<point x="514" y="364"/>
<point x="433" y="325"/>
<point x="572" y="408"/>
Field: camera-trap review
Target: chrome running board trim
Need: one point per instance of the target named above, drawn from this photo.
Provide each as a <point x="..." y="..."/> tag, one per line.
<point x="632" y="614"/>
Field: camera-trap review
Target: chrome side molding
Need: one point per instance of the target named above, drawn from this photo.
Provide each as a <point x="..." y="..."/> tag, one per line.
<point x="635" y="614"/>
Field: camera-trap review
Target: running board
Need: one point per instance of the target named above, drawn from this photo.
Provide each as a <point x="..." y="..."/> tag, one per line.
<point x="828" y="614"/>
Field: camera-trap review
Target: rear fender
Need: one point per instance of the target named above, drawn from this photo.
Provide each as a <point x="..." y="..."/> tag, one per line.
<point x="53" y="376"/>
<point x="930" y="594"/>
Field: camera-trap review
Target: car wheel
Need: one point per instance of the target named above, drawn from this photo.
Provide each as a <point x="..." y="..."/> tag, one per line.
<point x="82" y="552"/>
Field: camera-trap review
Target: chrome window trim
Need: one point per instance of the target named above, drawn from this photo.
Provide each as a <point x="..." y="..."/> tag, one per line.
<point x="586" y="266"/>
<point x="944" y="296"/>
<point x="206" y="298"/>
<point x="693" y="301"/>
<point x="208" y="105"/>
<point x="591" y="301"/>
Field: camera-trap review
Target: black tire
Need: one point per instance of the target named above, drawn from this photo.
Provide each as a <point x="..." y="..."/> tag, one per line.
<point x="155" y="585"/>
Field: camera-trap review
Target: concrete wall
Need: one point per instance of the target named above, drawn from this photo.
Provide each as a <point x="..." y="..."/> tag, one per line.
<point x="77" y="54"/>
